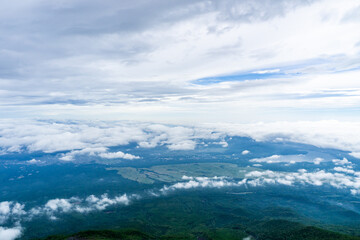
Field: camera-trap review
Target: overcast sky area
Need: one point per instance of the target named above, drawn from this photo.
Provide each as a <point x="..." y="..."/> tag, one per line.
<point x="180" y="61"/>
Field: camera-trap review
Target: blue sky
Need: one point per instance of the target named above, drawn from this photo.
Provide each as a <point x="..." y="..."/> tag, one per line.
<point x="180" y="61"/>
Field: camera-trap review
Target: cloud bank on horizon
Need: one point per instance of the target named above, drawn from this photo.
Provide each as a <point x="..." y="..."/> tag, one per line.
<point x="180" y="60"/>
<point x="94" y="138"/>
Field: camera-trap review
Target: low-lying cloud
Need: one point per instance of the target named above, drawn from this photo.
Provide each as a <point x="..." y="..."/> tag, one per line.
<point x="15" y="212"/>
<point x="100" y="152"/>
<point x="324" y="134"/>
<point x="10" y="233"/>
<point x="94" y="138"/>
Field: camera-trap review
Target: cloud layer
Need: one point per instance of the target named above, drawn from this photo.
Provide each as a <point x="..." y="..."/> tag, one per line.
<point x="180" y="61"/>
<point x="94" y="138"/>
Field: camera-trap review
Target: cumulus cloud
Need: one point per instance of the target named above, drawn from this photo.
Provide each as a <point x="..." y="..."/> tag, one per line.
<point x="34" y="161"/>
<point x="324" y="134"/>
<point x="345" y="170"/>
<point x="9" y="209"/>
<point x="201" y="182"/>
<point x="10" y="233"/>
<point x="340" y="179"/>
<point x="86" y="151"/>
<point x="343" y="161"/>
<point x="318" y="160"/>
<point x="75" y="204"/>
<point x="16" y="212"/>
<point x="119" y="154"/>
<point x="100" y="151"/>
<point x="318" y="178"/>
<point x="94" y="138"/>
<point x="245" y="152"/>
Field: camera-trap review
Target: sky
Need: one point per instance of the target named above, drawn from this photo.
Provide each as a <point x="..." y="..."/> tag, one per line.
<point x="180" y="61"/>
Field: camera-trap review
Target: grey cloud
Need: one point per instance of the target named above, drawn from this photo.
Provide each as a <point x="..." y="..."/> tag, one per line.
<point x="352" y="15"/>
<point x="68" y="54"/>
<point x="262" y="10"/>
<point x="38" y="31"/>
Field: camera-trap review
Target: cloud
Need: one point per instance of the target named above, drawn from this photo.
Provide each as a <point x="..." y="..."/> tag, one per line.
<point x="343" y="161"/>
<point x="201" y="182"/>
<point x="94" y="138"/>
<point x="99" y="151"/>
<point x="318" y="178"/>
<point x="324" y="134"/>
<point x="318" y="160"/>
<point x="183" y="145"/>
<point x="119" y="154"/>
<point x="281" y="159"/>
<point x="46" y="47"/>
<point x="9" y="209"/>
<point x="10" y="233"/>
<point x="34" y="161"/>
<point x="54" y="207"/>
<point x="345" y="170"/>
<point x="355" y="154"/>
<point x="245" y="152"/>
<point x="262" y="178"/>
<point x="92" y="151"/>
<point x="75" y="204"/>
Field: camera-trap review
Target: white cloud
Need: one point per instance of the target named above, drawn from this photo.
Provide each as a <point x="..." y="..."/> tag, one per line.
<point x="267" y="71"/>
<point x="119" y="154"/>
<point x="75" y="204"/>
<point x="183" y="145"/>
<point x="217" y="38"/>
<point x="261" y="178"/>
<point x="343" y="161"/>
<point x="99" y="151"/>
<point x="9" y="209"/>
<point x="318" y="160"/>
<point x="245" y="152"/>
<point x="345" y="170"/>
<point x="222" y="143"/>
<point x="324" y="134"/>
<point x="52" y="208"/>
<point x="58" y="205"/>
<point x="201" y="182"/>
<point x="355" y="154"/>
<point x="318" y="178"/>
<point x="282" y="159"/>
<point x="86" y="151"/>
<point x="94" y="138"/>
<point x="10" y="233"/>
<point x="34" y="161"/>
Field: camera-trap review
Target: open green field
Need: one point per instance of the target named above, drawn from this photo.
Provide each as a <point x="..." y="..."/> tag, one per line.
<point x="175" y="172"/>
